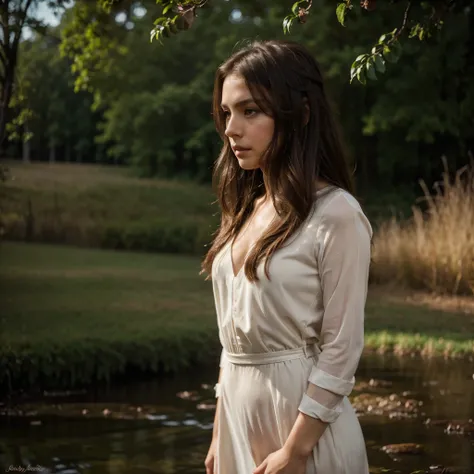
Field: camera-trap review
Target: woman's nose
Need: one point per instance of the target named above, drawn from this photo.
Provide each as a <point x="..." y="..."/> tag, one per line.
<point x="233" y="128"/>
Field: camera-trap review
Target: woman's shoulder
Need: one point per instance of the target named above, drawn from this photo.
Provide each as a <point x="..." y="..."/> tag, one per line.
<point x="336" y="206"/>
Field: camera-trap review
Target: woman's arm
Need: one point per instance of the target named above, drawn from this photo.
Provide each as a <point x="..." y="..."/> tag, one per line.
<point x="304" y="436"/>
<point x="343" y="254"/>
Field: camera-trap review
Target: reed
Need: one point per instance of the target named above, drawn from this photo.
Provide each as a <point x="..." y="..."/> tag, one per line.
<point x="434" y="249"/>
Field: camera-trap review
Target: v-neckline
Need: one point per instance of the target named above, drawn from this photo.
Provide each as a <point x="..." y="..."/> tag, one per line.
<point x="251" y="246"/>
<point x="232" y="240"/>
<point x="235" y="275"/>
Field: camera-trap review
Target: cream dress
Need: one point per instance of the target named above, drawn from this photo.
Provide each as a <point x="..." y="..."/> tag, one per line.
<point x="293" y="343"/>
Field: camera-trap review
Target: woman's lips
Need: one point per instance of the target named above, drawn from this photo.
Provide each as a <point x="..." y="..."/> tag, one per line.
<point x="238" y="150"/>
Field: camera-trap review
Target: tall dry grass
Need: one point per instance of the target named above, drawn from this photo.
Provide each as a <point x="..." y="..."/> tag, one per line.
<point x="434" y="249"/>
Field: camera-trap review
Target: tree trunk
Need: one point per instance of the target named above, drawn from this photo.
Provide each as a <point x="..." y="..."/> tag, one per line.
<point x="26" y="146"/>
<point x="6" y="95"/>
<point x="52" y="153"/>
<point x="68" y="152"/>
<point x="11" y="35"/>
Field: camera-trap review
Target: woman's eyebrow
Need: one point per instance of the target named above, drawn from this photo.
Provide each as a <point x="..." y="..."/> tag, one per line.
<point x="240" y="103"/>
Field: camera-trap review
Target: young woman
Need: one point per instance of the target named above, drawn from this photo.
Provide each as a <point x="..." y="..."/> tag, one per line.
<point x="289" y="267"/>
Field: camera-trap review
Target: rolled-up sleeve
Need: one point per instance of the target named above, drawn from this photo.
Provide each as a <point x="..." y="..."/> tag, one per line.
<point x="343" y="255"/>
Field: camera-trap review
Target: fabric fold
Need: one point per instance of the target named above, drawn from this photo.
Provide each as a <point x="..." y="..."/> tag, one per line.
<point x="312" y="408"/>
<point x="330" y="382"/>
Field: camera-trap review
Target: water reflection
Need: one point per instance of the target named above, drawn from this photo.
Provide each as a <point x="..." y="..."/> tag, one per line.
<point x="148" y="429"/>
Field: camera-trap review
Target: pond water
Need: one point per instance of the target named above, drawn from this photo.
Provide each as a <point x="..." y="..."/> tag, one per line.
<point x="144" y="427"/>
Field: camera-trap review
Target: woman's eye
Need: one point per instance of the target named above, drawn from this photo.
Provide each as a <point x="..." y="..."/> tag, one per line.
<point x="250" y="112"/>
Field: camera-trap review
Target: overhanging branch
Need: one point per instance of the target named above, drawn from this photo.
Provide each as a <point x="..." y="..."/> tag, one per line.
<point x="404" y="24"/>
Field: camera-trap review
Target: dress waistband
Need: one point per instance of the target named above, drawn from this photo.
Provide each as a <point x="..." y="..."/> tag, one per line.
<point x="270" y="357"/>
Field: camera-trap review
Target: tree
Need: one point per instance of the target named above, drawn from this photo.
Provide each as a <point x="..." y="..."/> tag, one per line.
<point x="153" y="102"/>
<point x="397" y="128"/>
<point x="59" y="122"/>
<point x="16" y="15"/>
<point x="421" y="19"/>
<point x="91" y="42"/>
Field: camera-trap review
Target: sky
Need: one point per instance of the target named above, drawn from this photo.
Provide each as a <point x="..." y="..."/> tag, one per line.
<point x="43" y="12"/>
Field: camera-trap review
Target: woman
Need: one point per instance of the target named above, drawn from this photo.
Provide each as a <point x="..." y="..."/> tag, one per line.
<point x="289" y="267"/>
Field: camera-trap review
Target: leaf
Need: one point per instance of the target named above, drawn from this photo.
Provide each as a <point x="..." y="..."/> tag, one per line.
<point x="287" y="22"/>
<point x="341" y="13"/>
<point x="361" y="76"/>
<point x="354" y="65"/>
<point x="295" y="8"/>
<point x="371" y="71"/>
<point x="414" y="31"/>
<point x="379" y="63"/>
<point x="389" y="55"/>
<point x="167" y="9"/>
<point x="355" y="72"/>
<point x="360" y="57"/>
<point x="397" y="48"/>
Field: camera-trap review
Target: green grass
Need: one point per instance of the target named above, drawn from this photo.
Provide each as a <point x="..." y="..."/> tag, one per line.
<point x="72" y="315"/>
<point x="405" y="328"/>
<point x="83" y="314"/>
<point x="105" y="207"/>
<point x="90" y="192"/>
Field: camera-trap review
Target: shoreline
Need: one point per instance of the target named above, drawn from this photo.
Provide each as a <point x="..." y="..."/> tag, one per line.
<point x="73" y="317"/>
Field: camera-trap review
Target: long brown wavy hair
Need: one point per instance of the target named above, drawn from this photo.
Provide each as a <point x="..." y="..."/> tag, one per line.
<point x="284" y="80"/>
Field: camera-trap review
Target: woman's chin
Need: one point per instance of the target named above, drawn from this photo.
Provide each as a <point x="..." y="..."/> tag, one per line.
<point x="248" y="164"/>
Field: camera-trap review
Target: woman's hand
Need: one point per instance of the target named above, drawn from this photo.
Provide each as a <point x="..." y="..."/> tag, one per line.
<point x="211" y="457"/>
<point x="282" y="462"/>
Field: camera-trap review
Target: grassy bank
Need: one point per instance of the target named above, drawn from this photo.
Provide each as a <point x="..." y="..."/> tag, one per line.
<point x="105" y="207"/>
<point x="71" y="316"/>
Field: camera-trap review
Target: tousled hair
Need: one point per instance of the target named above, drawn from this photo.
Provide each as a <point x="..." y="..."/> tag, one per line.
<point x="285" y="81"/>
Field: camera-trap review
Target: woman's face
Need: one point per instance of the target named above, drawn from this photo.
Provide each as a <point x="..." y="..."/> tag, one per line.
<point x="249" y="130"/>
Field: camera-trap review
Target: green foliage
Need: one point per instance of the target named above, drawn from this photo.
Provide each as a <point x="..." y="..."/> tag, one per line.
<point x="92" y="39"/>
<point x="299" y="12"/>
<point x="153" y="102"/>
<point x="178" y="15"/>
<point x="49" y="113"/>
<point x="388" y="49"/>
<point x="341" y="12"/>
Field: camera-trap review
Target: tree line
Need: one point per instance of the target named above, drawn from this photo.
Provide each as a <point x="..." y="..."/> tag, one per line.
<point x="147" y="105"/>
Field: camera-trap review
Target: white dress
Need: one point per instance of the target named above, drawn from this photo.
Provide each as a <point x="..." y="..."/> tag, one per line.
<point x="294" y="343"/>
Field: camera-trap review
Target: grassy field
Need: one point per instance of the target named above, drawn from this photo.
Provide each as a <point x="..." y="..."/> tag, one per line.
<point x="74" y="315"/>
<point x="105" y="207"/>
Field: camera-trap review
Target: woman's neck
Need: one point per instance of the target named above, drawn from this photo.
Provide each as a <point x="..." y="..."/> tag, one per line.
<point x="265" y="198"/>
